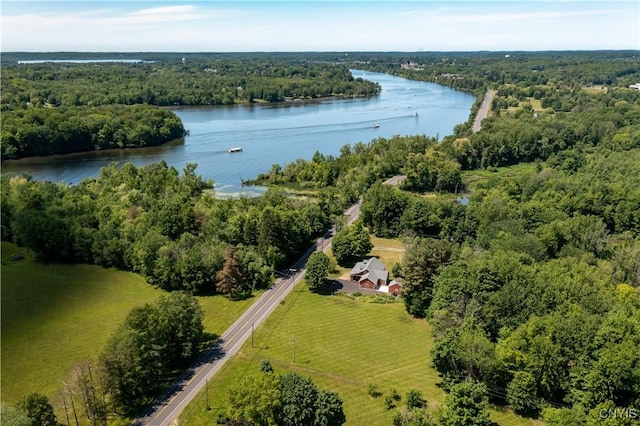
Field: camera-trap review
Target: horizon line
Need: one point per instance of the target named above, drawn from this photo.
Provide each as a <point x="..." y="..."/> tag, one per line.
<point x="321" y="51"/>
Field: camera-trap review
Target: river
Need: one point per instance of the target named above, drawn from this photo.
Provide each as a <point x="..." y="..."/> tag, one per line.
<point x="274" y="133"/>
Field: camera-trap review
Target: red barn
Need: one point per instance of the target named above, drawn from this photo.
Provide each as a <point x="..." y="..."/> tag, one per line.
<point x="395" y="287"/>
<point x="370" y="274"/>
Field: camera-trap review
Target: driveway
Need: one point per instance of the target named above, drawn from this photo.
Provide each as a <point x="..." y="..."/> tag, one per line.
<point x="348" y="287"/>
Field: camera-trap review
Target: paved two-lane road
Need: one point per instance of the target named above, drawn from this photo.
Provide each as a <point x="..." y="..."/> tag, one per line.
<point x="483" y="111"/>
<point x="167" y="408"/>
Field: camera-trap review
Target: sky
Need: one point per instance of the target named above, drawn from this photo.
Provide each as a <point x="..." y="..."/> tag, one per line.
<point x="318" y="25"/>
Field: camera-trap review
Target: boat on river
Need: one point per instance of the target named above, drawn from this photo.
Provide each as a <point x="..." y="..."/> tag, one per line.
<point x="235" y="149"/>
<point x="375" y="126"/>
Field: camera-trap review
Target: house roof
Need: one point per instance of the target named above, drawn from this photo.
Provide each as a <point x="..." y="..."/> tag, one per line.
<point x="370" y="264"/>
<point x="375" y="276"/>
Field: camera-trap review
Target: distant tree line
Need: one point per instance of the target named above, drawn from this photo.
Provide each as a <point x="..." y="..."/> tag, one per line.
<point x="169" y="82"/>
<point x="473" y="72"/>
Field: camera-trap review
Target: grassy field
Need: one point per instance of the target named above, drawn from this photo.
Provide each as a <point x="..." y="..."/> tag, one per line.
<point x="388" y="251"/>
<point x="56" y="315"/>
<point x="595" y="89"/>
<point x="343" y="345"/>
<point x="470" y="178"/>
<point x="536" y="104"/>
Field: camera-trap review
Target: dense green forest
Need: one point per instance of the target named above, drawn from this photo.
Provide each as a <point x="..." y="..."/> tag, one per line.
<point x="46" y="131"/>
<point x="531" y="282"/>
<point x="198" y="81"/>
<point x="165" y="225"/>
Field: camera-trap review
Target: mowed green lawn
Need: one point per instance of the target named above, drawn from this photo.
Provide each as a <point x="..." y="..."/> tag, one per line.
<point x="344" y="345"/>
<point x="54" y="316"/>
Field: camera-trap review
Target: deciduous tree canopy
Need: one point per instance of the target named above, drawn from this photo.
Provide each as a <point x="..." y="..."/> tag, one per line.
<point x="165" y="225"/>
<point x="284" y="399"/>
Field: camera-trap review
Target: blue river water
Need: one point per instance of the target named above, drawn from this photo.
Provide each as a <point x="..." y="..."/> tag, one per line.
<point x="275" y="133"/>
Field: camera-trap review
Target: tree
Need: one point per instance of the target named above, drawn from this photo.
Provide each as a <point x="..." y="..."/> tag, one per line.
<point x="382" y="209"/>
<point x="615" y="375"/>
<point x="265" y="366"/>
<point x="414" y="417"/>
<point x="284" y="400"/>
<point x="9" y="416"/>
<point x="303" y="403"/>
<point x="464" y="352"/>
<point x="85" y="381"/>
<point x="299" y="398"/>
<point x="256" y="399"/>
<point x="432" y="171"/>
<point x="181" y="320"/>
<point x="132" y="365"/>
<point x="531" y="348"/>
<point x="153" y="339"/>
<point x="522" y="394"/>
<point x="415" y="399"/>
<point x="317" y="270"/>
<point x="230" y="280"/>
<point x="467" y="405"/>
<point x="563" y="417"/>
<point x="424" y="258"/>
<point x="351" y="243"/>
<point x="329" y="409"/>
<point x="38" y="410"/>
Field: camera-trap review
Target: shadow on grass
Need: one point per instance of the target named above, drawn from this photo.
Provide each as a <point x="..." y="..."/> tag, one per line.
<point x="208" y="340"/>
<point x="330" y="287"/>
<point x="235" y="298"/>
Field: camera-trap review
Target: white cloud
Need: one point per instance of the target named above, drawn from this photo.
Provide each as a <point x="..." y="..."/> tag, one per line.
<point x="269" y="25"/>
<point x="158" y="15"/>
<point x="118" y="27"/>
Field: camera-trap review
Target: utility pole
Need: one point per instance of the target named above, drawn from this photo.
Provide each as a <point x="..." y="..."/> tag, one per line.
<point x="252" y="326"/>
<point x="292" y="274"/>
<point x="206" y="391"/>
<point x="294" y="348"/>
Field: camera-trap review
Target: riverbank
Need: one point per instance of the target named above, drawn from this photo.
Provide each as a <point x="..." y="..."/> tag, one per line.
<point x="275" y="133"/>
<point x="263" y="102"/>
